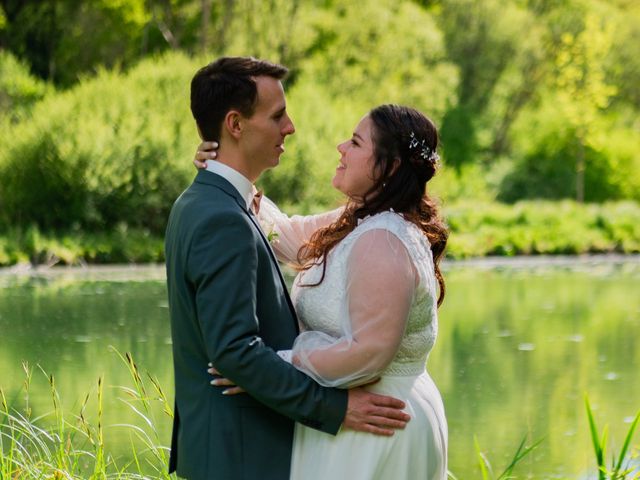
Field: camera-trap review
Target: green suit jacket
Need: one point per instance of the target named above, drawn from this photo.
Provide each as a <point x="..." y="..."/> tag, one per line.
<point x="229" y="306"/>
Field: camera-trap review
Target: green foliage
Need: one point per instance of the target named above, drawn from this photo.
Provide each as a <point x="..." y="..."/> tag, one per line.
<point x="623" y="64"/>
<point x="396" y="56"/>
<point x="19" y="90"/>
<point x="76" y="247"/>
<point x="485" y="466"/>
<point x="65" y="39"/>
<point x="620" y="467"/>
<point x="547" y="115"/>
<point x="113" y="150"/>
<point x="499" y="70"/>
<point x="536" y="228"/>
<point x="60" y="444"/>
<point x="477" y="229"/>
<point x="550" y="143"/>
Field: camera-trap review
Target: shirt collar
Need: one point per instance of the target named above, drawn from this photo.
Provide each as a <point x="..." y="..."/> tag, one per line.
<point x="235" y="178"/>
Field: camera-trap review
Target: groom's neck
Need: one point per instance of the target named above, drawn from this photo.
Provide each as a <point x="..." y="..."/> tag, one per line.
<point x="234" y="159"/>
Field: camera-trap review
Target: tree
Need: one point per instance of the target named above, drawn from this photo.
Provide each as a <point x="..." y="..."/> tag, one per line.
<point x="582" y="90"/>
<point x="500" y="70"/>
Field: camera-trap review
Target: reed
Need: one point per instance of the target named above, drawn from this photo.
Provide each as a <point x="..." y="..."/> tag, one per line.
<point x="486" y="470"/>
<point x="621" y="466"/>
<point x="57" y="445"/>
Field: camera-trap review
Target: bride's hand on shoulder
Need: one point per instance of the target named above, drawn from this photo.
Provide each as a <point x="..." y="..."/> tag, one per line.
<point x="206" y="151"/>
<point x="224" y="382"/>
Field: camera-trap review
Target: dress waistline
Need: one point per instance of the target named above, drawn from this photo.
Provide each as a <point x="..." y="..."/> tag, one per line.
<point x="405" y="369"/>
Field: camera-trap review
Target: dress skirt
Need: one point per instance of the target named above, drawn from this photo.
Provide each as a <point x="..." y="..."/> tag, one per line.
<point x="417" y="452"/>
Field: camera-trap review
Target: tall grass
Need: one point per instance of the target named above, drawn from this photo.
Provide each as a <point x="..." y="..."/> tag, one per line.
<point x="58" y="445"/>
<point x="486" y="470"/>
<point x="620" y="467"/>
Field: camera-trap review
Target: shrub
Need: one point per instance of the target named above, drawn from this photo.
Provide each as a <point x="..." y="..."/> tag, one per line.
<point x="114" y="149"/>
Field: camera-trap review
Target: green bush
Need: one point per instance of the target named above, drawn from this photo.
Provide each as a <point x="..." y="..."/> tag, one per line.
<point x="19" y="90"/>
<point x="546" y="165"/>
<point x="542" y="227"/>
<point x="113" y="150"/>
<point x="477" y="229"/>
<point x="122" y="245"/>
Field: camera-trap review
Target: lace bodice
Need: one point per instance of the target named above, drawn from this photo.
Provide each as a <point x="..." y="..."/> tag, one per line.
<point x="322" y="308"/>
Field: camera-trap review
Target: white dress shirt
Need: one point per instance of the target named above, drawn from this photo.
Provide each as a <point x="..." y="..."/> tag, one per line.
<point x="235" y="178"/>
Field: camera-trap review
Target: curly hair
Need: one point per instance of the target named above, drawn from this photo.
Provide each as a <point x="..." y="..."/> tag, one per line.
<point x="401" y="174"/>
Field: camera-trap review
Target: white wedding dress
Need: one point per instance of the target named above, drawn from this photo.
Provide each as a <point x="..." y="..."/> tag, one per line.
<point x="373" y="315"/>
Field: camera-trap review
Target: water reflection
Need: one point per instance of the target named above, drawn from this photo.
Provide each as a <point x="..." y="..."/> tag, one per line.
<point x="518" y="349"/>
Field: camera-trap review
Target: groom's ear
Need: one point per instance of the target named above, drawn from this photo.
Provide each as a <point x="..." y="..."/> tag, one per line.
<point x="233" y="123"/>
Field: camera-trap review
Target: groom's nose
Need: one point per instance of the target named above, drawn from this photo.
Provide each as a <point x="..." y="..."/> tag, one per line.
<point x="289" y="128"/>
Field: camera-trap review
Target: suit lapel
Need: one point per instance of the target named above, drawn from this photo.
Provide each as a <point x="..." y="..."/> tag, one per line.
<point x="217" y="181"/>
<point x="277" y="266"/>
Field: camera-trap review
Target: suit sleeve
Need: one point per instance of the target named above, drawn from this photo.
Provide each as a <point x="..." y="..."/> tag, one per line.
<point x="223" y="263"/>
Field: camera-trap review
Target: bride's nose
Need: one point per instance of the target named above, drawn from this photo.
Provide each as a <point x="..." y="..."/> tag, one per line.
<point x="340" y="147"/>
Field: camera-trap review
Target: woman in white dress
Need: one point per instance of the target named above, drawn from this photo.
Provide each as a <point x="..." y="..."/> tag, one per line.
<point x="367" y="297"/>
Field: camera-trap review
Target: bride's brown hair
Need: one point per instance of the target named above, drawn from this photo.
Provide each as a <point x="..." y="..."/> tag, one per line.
<point x="404" y="146"/>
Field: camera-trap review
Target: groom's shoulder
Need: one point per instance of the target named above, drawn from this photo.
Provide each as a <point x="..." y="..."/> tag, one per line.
<point x="204" y="202"/>
<point x="207" y="193"/>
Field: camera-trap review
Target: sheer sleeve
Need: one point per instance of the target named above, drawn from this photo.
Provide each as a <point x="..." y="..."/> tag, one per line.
<point x="381" y="282"/>
<point x="290" y="233"/>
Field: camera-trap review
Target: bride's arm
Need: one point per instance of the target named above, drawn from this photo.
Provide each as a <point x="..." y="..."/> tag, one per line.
<point x="380" y="287"/>
<point x="291" y="232"/>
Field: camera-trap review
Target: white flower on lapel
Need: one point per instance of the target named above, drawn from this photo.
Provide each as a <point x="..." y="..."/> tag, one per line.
<point x="269" y="229"/>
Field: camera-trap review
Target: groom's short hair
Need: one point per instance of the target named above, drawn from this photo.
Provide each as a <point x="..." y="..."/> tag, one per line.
<point x="228" y="84"/>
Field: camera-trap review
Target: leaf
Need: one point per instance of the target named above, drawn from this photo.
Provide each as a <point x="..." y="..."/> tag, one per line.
<point x="627" y="442"/>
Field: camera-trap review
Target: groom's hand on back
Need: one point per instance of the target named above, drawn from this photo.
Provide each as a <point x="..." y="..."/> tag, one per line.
<point x="373" y="413"/>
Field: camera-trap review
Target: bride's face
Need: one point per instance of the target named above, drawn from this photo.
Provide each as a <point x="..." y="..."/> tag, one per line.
<point x="355" y="172"/>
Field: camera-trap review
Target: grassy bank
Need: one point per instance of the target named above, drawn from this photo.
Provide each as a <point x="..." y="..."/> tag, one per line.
<point x="77" y="247"/>
<point x="477" y="229"/>
<point x="543" y="228"/>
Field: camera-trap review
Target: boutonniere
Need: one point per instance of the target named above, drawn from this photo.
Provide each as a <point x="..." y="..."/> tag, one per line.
<point x="269" y="229"/>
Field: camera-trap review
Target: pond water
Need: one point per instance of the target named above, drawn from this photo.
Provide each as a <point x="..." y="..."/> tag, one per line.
<point x="520" y="345"/>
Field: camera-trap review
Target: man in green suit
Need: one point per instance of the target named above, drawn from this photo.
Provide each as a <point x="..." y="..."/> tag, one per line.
<point x="229" y="303"/>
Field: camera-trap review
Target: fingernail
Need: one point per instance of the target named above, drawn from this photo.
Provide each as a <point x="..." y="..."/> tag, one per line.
<point x="210" y="364"/>
<point x="214" y="382"/>
<point x="210" y="370"/>
<point x="225" y="392"/>
<point x="215" y="144"/>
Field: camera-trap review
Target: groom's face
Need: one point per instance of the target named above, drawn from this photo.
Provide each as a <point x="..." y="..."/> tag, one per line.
<point x="264" y="132"/>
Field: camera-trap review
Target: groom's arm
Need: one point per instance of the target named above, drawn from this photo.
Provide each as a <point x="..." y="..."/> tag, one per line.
<point x="223" y="265"/>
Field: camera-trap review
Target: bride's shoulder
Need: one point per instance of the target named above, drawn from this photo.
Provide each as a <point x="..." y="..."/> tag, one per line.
<point x="387" y="220"/>
<point x="408" y="232"/>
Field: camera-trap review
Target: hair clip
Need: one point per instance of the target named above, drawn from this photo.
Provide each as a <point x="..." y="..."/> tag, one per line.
<point x="425" y="152"/>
